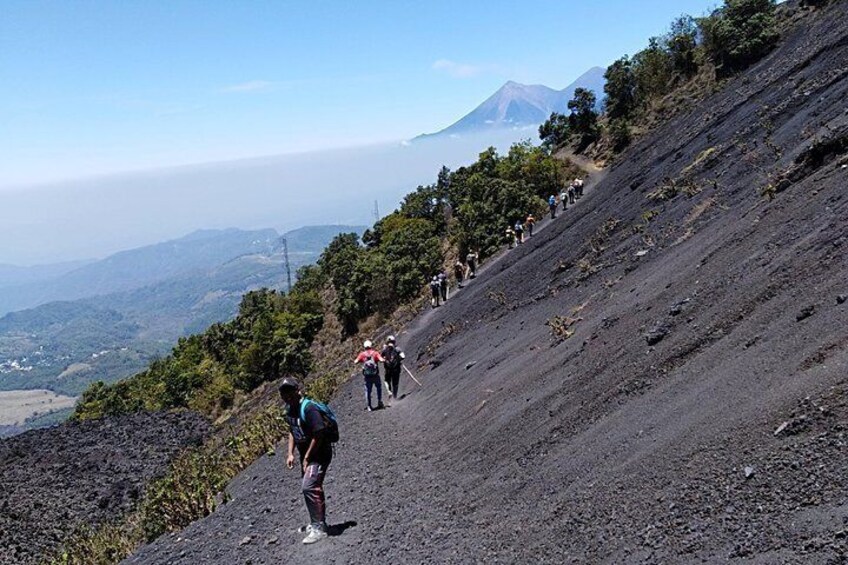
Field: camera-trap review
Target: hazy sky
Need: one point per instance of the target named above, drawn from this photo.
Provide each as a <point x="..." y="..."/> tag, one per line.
<point x="93" y="87"/>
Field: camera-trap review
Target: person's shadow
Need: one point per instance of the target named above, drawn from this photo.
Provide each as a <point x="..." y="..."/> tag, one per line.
<point x="339" y="529"/>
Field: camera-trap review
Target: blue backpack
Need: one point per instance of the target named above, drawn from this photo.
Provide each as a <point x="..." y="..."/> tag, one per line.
<point x="331" y="431"/>
<point x="551" y="201"/>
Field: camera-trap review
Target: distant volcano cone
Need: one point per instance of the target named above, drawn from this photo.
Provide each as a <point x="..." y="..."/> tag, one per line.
<point x="517" y="105"/>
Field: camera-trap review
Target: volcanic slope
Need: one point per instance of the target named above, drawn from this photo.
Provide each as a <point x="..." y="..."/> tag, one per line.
<point x="646" y="380"/>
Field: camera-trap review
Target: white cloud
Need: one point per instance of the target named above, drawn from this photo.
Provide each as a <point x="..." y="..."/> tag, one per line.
<point x="249" y="86"/>
<point x="458" y="70"/>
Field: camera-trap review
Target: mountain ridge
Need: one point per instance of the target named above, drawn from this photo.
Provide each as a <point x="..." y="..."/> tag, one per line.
<point x="521" y="106"/>
<point x="112" y="336"/>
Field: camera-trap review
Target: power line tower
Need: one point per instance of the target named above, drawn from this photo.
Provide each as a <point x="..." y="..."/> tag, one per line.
<point x="288" y="266"/>
<point x="376" y="212"/>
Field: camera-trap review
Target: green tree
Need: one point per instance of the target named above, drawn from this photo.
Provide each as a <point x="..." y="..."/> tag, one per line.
<point x="413" y="253"/>
<point x="555" y="132"/>
<point x="309" y="278"/>
<point x="739" y="33"/>
<point x="618" y="131"/>
<point x="652" y="72"/>
<point x="620" y="89"/>
<point x="682" y="44"/>
<point x="583" y="119"/>
<point x="534" y="167"/>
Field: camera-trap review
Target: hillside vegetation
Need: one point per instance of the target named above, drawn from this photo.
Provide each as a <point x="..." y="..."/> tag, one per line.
<point x="465" y="209"/>
<point x="668" y="76"/>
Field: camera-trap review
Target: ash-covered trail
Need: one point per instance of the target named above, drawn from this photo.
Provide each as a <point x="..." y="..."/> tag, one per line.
<point x="392" y="495"/>
<point x="659" y="377"/>
<point x="396" y="491"/>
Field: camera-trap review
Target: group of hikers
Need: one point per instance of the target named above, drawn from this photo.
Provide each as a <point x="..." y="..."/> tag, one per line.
<point x="313" y="428"/>
<point x="569" y="195"/>
<point x="462" y="270"/>
<point x="392" y="359"/>
<point x="514" y="235"/>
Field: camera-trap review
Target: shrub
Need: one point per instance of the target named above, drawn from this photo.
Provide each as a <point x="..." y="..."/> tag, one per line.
<point x="739" y="33"/>
<point x="618" y="131"/>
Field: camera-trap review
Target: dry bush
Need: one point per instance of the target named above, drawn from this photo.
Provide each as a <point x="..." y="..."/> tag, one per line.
<point x="560" y="327"/>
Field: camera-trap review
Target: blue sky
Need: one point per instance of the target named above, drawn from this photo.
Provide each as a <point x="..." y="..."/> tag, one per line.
<point x="89" y="88"/>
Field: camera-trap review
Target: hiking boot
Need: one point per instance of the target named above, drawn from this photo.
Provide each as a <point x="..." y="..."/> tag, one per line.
<point x="315" y="535"/>
<point x="380" y="405"/>
<point x="305" y="529"/>
<point x="369" y="409"/>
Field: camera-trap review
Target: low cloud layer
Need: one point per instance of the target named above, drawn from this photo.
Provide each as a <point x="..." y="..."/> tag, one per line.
<point x="92" y="218"/>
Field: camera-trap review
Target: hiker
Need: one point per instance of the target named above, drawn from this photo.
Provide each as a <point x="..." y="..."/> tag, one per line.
<point x="578" y="188"/>
<point x="443" y="285"/>
<point x="571" y="194"/>
<point x="563" y="197"/>
<point x="435" y="291"/>
<point x="511" y="240"/>
<point x="393" y="358"/>
<point x="531" y="223"/>
<point x="552" y="204"/>
<point x="471" y="260"/>
<point x="519" y="232"/>
<point x="369" y="358"/>
<point x="312" y="429"/>
<point x="459" y="272"/>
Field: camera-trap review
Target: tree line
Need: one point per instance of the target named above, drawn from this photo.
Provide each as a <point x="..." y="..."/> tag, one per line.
<point x="724" y="42"/>
<point x="354" y="278"/>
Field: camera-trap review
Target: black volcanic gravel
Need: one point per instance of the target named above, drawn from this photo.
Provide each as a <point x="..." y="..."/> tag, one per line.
<point x="82" y="473"/>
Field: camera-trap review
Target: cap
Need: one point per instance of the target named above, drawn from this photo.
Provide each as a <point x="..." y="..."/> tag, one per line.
<point x="367" y="344"/>
<point x="289" y="383"/>
<point x="390" y="339"/>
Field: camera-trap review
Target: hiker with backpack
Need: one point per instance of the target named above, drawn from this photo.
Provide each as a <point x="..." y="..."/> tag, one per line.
<point x="393" y="358"/>
<point x="435" y="291"/>
<point x="552" y="204"/>
<point x="531" y="223"/>
<point x="369" y="358"/>
<point x="519" y="232"/>
<point x="443" y="285"/>
<point x="458" y="272"/>
<point x="471" y="260"/>
<point x="563" y="197"/>
<point x="510" y="236"/>
<point x="313" y="429"/>
<point x="571" y="199"/>
<point x="578" y="188"/>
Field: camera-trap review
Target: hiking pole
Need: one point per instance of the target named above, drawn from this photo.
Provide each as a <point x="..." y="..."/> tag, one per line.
<point x="408" y="372"/>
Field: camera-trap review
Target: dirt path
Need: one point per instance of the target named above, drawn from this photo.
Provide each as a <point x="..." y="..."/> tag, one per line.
<point x="583" y="162"/>
<point x="386" y="498"/>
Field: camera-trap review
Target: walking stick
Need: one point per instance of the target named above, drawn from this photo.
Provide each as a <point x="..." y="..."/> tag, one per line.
<point x="408" y="372"/>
